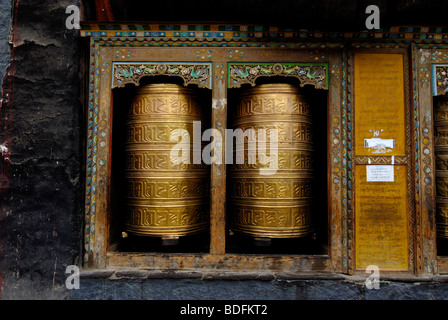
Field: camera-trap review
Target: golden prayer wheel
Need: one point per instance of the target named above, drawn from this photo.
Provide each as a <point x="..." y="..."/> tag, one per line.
<point x="165" y="198"/>
<point x="441" y="155"/>
<point x="278" y="205"/>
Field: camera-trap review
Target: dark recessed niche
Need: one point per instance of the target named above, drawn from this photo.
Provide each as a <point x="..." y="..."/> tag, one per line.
<point x="119" y="239"/>
<point x="440" y="104"/>
<point x="317" y="241"/>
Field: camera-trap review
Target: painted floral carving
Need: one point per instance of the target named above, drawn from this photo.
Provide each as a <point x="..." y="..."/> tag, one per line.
<point x="124" y="73"/>
<point x="313" y="74"/>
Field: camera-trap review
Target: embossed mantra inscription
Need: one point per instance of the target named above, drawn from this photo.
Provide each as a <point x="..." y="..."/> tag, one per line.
<point x="165" y="199"/>
<point x="278" y="205"/>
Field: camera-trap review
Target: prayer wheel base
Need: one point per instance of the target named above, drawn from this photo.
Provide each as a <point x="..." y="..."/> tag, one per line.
<point x="191" y="243"/>
<point x="170" y="241"/>
<point x="262" y="242"/>
<point x="242" y="243"/>
<point x="165" y="241"/>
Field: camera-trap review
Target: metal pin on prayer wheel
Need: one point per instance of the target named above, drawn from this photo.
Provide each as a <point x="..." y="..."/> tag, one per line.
<point x="441" y="155"/>
<point x="277" y="205"/>
<point x="165" y="198"/>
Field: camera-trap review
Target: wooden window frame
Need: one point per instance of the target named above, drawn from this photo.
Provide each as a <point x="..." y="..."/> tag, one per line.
<point x="107" y="45"/>
<point x="426" y="58"/>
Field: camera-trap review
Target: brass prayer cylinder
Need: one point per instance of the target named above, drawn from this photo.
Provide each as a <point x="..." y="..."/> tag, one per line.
<point x="275" y="205"/>
<point x="166" y="197"/>
<point x="441" y="155"/>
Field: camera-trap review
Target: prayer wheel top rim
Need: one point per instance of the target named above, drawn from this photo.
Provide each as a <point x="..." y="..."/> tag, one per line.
<point x="273" y="88"/>
<point x="163" y="88"/>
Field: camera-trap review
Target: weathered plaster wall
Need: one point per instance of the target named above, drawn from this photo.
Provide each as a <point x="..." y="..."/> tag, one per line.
<point x="42" y="131"/>
<point x="5" y="22"/>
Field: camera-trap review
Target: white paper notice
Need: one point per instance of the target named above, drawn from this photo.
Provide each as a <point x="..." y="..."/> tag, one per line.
<point x="380" y="173"/>
<point x="377" y="143"/>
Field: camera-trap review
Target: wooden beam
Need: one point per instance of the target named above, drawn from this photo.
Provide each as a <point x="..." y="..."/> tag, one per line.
<point x="218" y="173"/>
<point x="228" y="262"/>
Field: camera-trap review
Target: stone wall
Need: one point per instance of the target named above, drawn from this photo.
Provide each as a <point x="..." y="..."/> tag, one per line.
<point x="42" y="131"/>
<point x="5" y="23"/>
<point x="124" y="285"/>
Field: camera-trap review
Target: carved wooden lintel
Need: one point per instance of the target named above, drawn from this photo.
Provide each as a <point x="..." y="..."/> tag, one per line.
<point x="315" y="74"/>
<point x="133" y="72"/>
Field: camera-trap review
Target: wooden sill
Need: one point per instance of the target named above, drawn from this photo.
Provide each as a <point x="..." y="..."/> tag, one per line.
<point x="226" y="262"/>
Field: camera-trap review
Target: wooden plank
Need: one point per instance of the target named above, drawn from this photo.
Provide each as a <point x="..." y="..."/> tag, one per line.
<point x="103" y="163"/>
<point x="218" y="170"/>
<point x="425" y="221"/>
<point x="228" y="262"/>
<point x="334" y="166"/>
